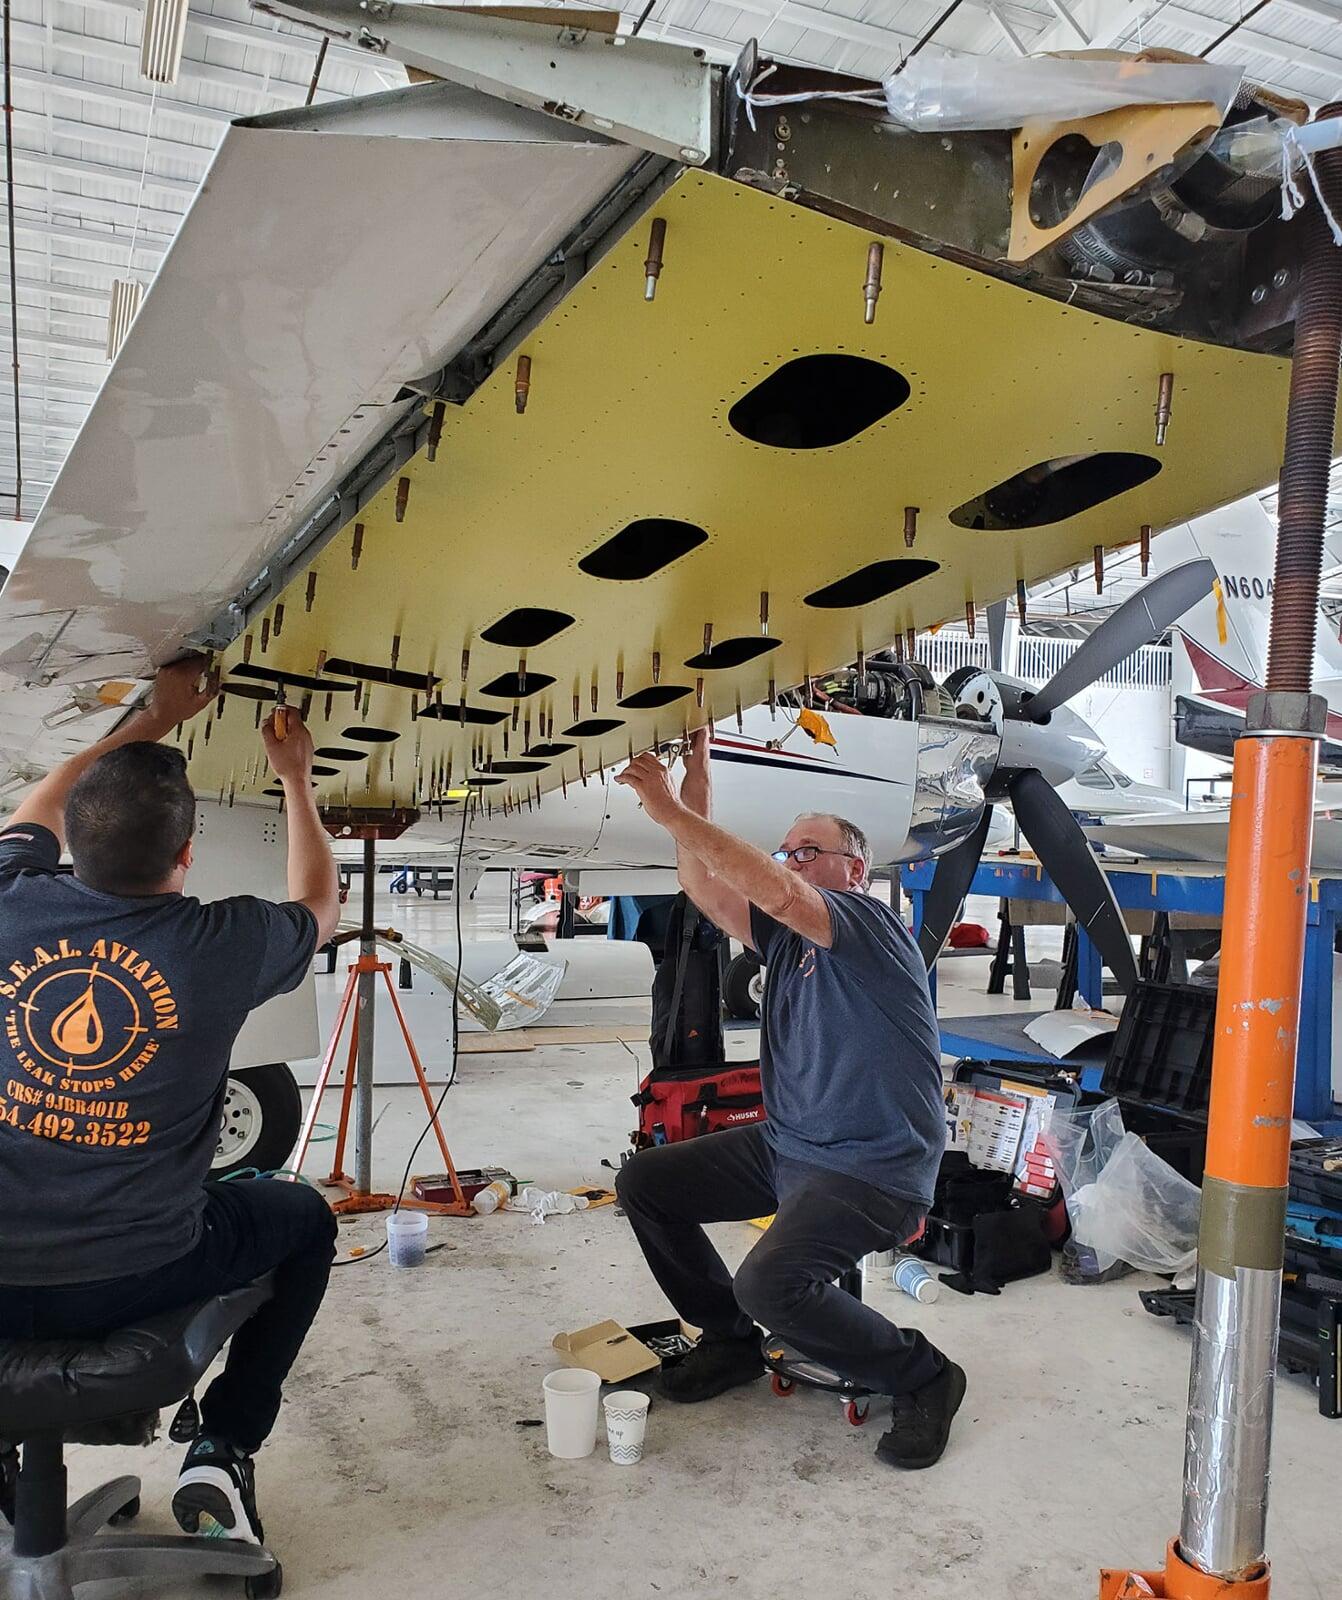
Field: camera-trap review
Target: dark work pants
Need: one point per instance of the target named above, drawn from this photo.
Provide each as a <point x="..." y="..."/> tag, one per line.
<point x="250" y="1228"/>
<point x="825" y="1223"/>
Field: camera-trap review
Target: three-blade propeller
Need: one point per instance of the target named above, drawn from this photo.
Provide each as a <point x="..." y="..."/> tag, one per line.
<point x="1051" y="829"/>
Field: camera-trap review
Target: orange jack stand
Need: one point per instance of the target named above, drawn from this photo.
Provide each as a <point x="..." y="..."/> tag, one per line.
<point x="356" y="1199"/>
<point x="1179" y="1581"/>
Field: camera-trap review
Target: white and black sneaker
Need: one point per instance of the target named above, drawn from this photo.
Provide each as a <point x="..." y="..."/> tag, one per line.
<point x="216" y="1493"/>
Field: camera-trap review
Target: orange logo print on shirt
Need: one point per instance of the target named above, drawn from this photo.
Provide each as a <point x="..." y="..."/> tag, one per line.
<point x="806" y="966"/>
<point x="81" y="1026"/>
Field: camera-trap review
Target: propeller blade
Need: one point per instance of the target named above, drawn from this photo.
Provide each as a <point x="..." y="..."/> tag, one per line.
<point x="1056" y="838"/>
<point x="950" y="884"/>
<point x="1141" y="618"/>
<point x="997" y="615"/>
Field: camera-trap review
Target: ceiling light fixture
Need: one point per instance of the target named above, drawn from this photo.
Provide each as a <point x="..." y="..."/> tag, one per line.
<point x="127" y="294"/>
<point x="162" y="40"/>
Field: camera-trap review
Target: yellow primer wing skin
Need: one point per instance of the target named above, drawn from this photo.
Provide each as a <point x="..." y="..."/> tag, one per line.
<point x="626" y="422"/>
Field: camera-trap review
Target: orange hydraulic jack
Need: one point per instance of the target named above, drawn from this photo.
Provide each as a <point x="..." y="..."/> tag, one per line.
<point x="1219" y="1552"/>
<point x="1180" y="1579"/>
<point x="356" y="1198"/>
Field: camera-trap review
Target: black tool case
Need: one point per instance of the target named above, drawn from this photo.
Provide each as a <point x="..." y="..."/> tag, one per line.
<point x="1159" y="1069"/>
<point x="1310" y="1184"/>
<point x="980" y="1227"/>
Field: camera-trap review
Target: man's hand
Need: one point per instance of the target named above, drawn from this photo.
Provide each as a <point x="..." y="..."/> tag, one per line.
<point x="696" y="790"/>
<point x="180" y="691"/>
<point x="290" y="755"/>
<point x="651" y="782"/>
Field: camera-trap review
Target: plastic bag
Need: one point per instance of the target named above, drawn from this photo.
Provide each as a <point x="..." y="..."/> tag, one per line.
<point x="950" y="92"/>
<point x="1124" y="1202"/>
<point x="1080" y="1143"/>
<point x="516" y="996"/>
<point x="524" y="990"/>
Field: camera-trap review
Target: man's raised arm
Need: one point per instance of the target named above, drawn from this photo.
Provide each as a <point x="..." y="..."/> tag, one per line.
<point x="718" y="901"/>
<point x="738" y="868"/>
<point x="313" y="880"/>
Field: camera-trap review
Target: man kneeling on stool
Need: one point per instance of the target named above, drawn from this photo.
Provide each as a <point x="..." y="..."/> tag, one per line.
<point x="850" y="1064"/>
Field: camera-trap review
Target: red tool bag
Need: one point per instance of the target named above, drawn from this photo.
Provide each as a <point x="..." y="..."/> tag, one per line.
<point x="683" y="1104"/>
<point x="691" y="1088"/>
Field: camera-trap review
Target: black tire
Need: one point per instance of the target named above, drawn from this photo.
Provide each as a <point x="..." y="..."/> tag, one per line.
<point x="263" y="1113"/>
<point x="128" y="1513"/>
<point x="268" y="1586"/>
<point x="738" y="982"/>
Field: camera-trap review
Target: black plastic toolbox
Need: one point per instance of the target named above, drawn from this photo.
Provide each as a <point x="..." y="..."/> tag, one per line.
<point x="1161" y="1054"/>
<point x="978" y="1216"/>
<point x="1311" y="1185"/>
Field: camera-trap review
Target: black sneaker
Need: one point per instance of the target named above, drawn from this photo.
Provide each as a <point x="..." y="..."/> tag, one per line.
<point x="921" y="1421"/>
<point x="713" y="1367"/>
<point x="216" y="1493"/>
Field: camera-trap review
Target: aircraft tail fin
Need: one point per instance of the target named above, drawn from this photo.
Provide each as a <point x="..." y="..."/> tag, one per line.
<point x="1226" y="635"/>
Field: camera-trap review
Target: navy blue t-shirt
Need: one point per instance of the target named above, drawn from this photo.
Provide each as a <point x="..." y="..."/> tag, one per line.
<point x="850" y="1055"/>
<point x="117" y="1019"/>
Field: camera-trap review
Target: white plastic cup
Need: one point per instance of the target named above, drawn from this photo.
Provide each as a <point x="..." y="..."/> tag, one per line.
<point x="626" y="1423"/>
<point x="407" y="1237"/>
<point x="914" y="1279"/>
<point x="570" y="1412"/>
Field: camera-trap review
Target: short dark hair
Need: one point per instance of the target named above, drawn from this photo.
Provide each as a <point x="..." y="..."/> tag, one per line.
<point x="128" y="816"/>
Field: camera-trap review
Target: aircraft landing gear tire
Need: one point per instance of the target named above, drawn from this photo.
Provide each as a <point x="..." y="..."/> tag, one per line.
<point x="743" y="986"/>
<point x="263" y="1112"/>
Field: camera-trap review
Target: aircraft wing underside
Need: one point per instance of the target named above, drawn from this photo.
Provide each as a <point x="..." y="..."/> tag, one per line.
<point x="647" y="512"/>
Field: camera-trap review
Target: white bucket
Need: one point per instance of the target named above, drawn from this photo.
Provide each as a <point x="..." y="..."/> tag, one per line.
<point x="407" y="1237"/>
<point x="570" y="1412"/>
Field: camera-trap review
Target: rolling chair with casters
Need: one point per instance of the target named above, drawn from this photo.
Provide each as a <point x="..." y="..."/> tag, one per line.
<point x="107" y="1391"/>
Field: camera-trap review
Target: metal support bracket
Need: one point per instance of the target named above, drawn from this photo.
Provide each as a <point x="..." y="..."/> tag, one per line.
<point x="570" y="64"/>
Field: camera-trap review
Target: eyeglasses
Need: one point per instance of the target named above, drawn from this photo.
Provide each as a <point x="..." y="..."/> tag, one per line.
<point x="805" y="853"/>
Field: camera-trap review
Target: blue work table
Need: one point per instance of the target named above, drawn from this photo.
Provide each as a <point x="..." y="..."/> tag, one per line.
<point x="1194" y="887"/>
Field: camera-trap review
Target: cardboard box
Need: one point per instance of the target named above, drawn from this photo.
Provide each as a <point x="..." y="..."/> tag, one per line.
<point x="615" y="1353"/>
<point x="607" y="1349"/>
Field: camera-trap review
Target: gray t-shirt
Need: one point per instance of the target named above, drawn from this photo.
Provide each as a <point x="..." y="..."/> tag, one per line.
<point x="849" y="1049"/>
<point x="117" y="1020"/>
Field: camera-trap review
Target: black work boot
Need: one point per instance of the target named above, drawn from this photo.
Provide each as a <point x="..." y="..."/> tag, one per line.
<point x="713" y="1367"/>
<point x="920" y="1422"/>
<point x="9" y="1480"/>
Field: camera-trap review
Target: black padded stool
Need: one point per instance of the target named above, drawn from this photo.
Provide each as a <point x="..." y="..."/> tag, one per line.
<point x="59" y="1391"/>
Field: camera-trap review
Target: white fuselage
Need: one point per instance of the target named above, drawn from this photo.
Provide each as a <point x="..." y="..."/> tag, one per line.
<point x="912" y="787"/>
<point x="763" y="777"/>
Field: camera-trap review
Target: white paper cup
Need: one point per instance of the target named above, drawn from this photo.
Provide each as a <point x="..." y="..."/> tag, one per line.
<point x="626" y="1423"/>
<point x="570" y="1412"/>
<point x="407" y="1237"/>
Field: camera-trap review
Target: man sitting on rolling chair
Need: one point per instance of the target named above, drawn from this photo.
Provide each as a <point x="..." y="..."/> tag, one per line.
<point x="121" y="998"/>
<point x="850" y="1065"/>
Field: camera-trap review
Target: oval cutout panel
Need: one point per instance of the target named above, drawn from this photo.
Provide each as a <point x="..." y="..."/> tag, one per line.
<point x="1053" y="491"/>
<point x="817" y="402"/>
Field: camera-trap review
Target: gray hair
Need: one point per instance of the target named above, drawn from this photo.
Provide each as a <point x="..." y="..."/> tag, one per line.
<point x="855" y="842"/>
